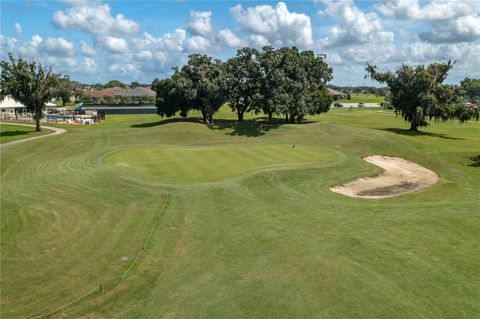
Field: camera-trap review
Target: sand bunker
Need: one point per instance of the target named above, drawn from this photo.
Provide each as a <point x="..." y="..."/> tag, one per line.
<point x="400" y="177"/>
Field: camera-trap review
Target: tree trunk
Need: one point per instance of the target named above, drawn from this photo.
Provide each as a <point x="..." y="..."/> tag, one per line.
<point x="269" y="117"/>
<point x="204" y="115"/>
<point x="413" y="127"/>
<point x="286" y="118"/>
<point x="240" y="115"/>
<point x="37" y="121"/>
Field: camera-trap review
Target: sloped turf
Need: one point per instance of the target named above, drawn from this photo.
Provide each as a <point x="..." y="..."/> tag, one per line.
<point x="240" y="239"/>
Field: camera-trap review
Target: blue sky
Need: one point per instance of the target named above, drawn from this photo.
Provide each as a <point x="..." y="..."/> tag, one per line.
<point x="95" y="41"/>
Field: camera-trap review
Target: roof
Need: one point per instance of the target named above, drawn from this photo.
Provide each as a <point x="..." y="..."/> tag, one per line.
<point x="9" y="103"/>
<point x="118" y="91"/>
<point x="334" y="92"/>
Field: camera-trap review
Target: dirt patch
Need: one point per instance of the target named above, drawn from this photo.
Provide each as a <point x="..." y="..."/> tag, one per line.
<point x="400" y="177"/>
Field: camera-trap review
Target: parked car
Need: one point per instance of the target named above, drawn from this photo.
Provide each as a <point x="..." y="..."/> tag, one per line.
<point x="361" y="104"/>
<point x="472" y="106"/>
<point x="338" y="105"/>
<point x="386" y="106"/>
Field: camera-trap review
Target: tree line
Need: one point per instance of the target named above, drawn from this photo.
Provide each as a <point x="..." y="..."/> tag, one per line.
<point x="284" y="81"/>
<point x="418" y="93"/>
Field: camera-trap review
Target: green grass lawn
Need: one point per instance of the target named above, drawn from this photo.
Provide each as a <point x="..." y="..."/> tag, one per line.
<point x="361" y="97"/>
<point x="11" y="132"/>
<point x="248" y="228"/>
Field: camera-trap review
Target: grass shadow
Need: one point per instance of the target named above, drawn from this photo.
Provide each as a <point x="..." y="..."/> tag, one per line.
<point x="475" y="161"/>
<point x="248" y="128"/>
<point x="419" y="133"/>
<point x="14" y="133"/>
<point x="168" y="121"/>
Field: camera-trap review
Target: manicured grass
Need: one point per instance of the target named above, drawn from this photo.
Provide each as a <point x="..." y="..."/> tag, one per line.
<point x="11" y="132"/>
<point x="366" y="98"/>
<point x="241" y="239"/>
<point x="189" y="164"/>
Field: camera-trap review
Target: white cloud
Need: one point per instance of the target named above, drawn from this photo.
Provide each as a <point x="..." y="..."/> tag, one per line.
<point x="18" y="28"/>
<point x="112" y="44"/>
<point x="228" y="39"/>
<point x="258" y="41"/>
<point x="276" y="24"/>
<point x="434" y="11"/>
<point x="55" y="46"/>
<point x="353" y="25"/>
<point x="95" y="19"/>
<point x="463" y="29"/>
<point x="451" y="21"/>
<point x="197" y="44"/>
<point x="87" y="50"/>
<point x="200" y="23"/>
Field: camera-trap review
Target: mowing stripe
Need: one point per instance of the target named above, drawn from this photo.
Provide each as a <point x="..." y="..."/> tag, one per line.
<point x="54" y="311"/>
<point x="165" y="205"/>
<point x="98" y="288"/>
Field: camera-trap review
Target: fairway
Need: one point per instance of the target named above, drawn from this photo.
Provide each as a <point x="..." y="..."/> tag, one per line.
<point x="212" y="163"/>
<point x="177" y="219"/>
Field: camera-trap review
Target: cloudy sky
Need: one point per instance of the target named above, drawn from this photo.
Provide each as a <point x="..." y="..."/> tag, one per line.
<point x="95" y="41"/>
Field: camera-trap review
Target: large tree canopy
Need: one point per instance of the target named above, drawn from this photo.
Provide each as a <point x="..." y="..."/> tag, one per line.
<point x="274" y="81"/>
<point x="65" y="89"/>
<point x="30" y="83"/>
<point x="418" y="93"/>
<point x="242" y="80"/>
<point x="471" y="87"/>
<point x="200" y="85"/>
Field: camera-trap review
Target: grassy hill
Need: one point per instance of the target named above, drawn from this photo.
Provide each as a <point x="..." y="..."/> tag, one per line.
<point x="175" y="219"/>
<point x="366" y="98"/>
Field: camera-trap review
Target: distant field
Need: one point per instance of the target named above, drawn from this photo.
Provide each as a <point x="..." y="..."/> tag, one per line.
<point x="231" y="221"/>
<point x="10" y="132"/>
<point x="367" y="98"/>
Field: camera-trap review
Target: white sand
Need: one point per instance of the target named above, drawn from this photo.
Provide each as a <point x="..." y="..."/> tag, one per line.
<point x="400" y="177"/>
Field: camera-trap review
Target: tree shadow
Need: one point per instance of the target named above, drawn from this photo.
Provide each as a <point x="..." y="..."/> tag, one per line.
<point x="248" y="128"/>
<point x="419" y="133"/>
<point x="168" y="121"/>
<point x="14" y="133"/>
<point x="475" y="161"/>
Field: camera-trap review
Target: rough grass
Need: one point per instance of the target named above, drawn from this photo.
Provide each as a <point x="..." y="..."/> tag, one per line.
<point x="273" y="243"/>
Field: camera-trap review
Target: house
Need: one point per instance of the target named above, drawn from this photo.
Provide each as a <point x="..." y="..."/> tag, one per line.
<point x="118" y="95"/>
<point x="336" y="95"/>
<point x="10" y="109"/>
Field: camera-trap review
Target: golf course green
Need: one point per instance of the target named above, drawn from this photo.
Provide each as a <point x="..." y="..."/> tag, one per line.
<point x="212" y="163"/>
<point x="143" y="217"/>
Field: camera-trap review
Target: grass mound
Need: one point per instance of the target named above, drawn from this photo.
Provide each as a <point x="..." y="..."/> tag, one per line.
<point x="274" y="244"/>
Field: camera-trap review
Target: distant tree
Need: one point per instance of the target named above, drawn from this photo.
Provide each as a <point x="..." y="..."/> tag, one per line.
<point x="418" y="93"/>
<point x="293" y="83"/>
<point x="98" y="86"/>
<point x="166" y="101"/>
<point x="349" y="97"/>
<point x="271" y="81"/>
<point x="114" y="83"/>
<point x="203" y="81"/>
<point x="472" y="89"/>
<point x="65" y="89"/>
<point x="242" y="81"/>
<point x="30" y="83"/>
<point x="134" y="84"/>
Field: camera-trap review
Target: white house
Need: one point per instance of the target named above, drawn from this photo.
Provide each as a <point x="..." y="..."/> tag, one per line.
<point x="8" y="107"/>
